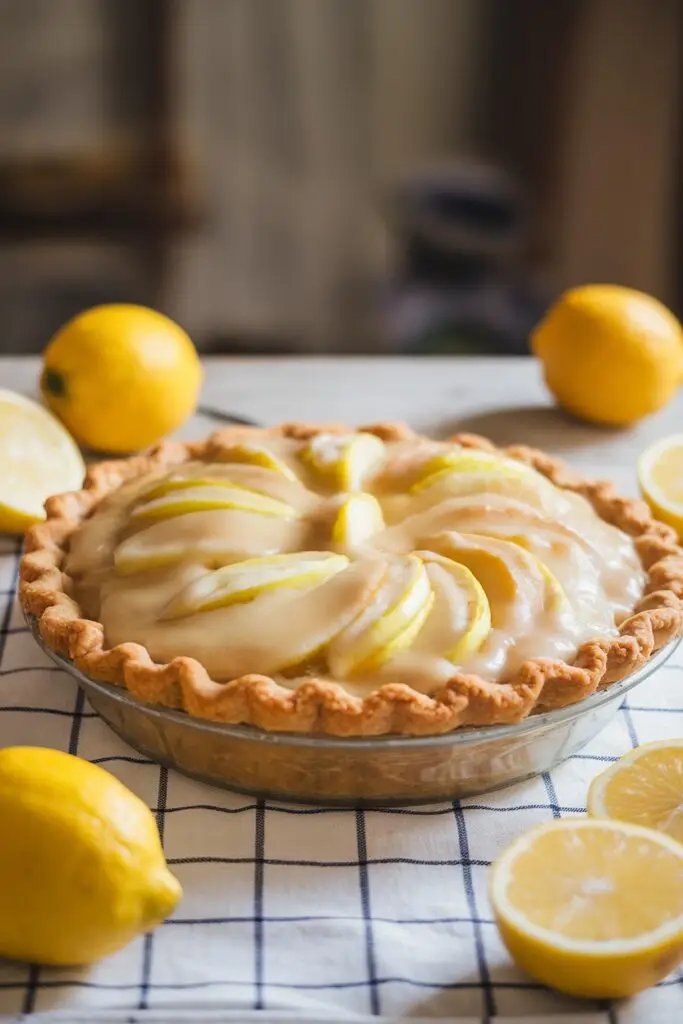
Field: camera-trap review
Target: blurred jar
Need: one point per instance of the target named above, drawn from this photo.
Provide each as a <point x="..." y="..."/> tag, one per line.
<point x="461" y="286"/>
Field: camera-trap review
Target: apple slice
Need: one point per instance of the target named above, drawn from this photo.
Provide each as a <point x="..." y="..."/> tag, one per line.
<point x="460" y="619"/>
<point x="359" y="518"/>
<point x="389" y="625"/>
<point x="242" y="581"/>
<point x="345" y="459"/>
<point x="205" y="498"/>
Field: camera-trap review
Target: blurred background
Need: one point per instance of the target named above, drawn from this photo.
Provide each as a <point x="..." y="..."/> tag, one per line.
<point x="319" y="176"/>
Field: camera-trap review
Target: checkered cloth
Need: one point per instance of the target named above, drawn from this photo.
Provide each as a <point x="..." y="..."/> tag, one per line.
<point x="314" y="913"/>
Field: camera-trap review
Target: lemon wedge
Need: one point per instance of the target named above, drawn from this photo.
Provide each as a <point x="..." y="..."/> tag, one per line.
<point x="592" y="908"/>
<point x="346" y="459"/>
<point x="391" y="623"/>
<point x="38" y="458"/>
<point x="359" y="517"/>
<point x="644" y="787"/>
<point x="242" y="581"/>
<point x="660" y="475"/>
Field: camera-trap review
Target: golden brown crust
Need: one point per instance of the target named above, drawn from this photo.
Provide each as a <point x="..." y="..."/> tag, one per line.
<point x="317" y="706"/>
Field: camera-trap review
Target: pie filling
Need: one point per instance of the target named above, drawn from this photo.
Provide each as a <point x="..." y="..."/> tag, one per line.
<point x="353" y="560"/>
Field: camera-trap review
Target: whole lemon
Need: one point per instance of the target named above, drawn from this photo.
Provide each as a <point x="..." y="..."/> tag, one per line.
<point x="121" y="377"/>
<point x="610" y="355"/>
<point x="82" y="871"/>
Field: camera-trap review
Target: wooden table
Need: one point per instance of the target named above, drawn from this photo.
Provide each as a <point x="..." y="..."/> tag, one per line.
<point x="505" y="399"/>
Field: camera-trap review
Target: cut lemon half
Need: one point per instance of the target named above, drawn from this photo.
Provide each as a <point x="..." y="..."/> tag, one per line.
<point x="644" y="787"/>
<point x="38" y="458"/>
<point x="660" y="475"/>
<point x="591" y="907"/>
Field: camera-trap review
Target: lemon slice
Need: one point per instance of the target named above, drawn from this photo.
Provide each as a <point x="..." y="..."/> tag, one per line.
<point x="660" y="475"/>
<point x="556" y="599"/>
<point x="391" y="623"/>
<point x="460" y="619"/>
<point x="508" y="574"/>
<point x="593" y="908"/>
<point x="205" y="498"/>
<point x="38" y="458"/>
<point x="234" y="584"/>
<point x="240" y="476"/>
<point x="255" y="455"/>
<point x="516" y="582"/>
<point x="644" y="787"/>
<point x="346" y="459"/>
<point x="213" y="538"/>
<point x="359" y="517"/>
<point x="468" y="461"/>
<point x="179" y="483"/>
<point x="530" y="488"/>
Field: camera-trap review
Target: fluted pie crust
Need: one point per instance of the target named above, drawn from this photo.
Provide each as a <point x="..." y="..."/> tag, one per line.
<point x="320" y="706"/>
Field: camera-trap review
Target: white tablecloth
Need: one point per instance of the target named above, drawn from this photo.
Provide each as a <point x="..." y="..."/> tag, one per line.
<point x="316" y="913"/>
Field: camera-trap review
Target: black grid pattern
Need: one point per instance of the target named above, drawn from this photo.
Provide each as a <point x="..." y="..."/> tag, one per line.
<point x="312" y="909"/>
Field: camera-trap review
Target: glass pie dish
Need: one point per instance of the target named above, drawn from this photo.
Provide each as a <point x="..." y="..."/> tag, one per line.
<point x="376" y="771"/>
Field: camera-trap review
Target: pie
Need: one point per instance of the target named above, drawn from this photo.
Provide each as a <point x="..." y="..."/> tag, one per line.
<point x="321" y="579"/>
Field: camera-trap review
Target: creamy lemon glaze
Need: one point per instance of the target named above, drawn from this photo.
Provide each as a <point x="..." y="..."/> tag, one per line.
<point x="479" y="565"/>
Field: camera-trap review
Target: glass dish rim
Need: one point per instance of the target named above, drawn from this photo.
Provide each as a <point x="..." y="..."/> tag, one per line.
<point x="468" y="736"/>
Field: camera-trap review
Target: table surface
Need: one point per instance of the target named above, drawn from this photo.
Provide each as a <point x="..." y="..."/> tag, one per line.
<point x="409" y="935"/>
<point x="502" y="398"/>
